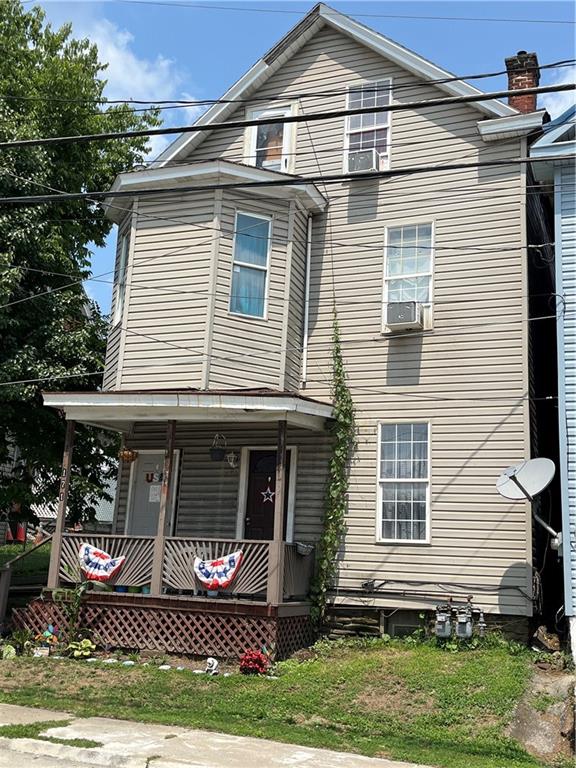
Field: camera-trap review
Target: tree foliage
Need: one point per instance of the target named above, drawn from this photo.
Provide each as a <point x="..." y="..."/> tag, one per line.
<point x="336" y="498"/>
<point x="52" y="85"/>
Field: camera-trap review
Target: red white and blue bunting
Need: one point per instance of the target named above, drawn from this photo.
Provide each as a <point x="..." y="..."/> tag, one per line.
<point x="220" y="573"/>
<point x="98" y="565"/>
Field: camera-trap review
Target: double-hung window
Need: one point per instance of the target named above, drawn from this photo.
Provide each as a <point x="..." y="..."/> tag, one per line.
<point x="121" y="279"/>
<point x="408" y="264"/>
<point x="250" y="265"/>
<point x="404" y="482"/>
<point x="368" y="134"/>
<point x="270" y="143"/>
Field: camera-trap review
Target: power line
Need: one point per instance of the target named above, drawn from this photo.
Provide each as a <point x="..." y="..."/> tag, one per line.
<point x="310" y="117"/>
<point x="282" y="182"/>
<point x="186" y="103"/>
<point x="175" y="4"/>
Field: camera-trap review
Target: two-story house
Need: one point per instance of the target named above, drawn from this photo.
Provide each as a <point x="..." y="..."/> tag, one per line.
<point x="234" y="252"/>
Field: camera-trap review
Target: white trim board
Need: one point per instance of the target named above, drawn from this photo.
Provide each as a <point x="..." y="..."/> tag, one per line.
<point x="243" y="487"/>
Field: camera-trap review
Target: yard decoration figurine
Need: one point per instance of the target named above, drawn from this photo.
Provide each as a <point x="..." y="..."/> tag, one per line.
<point x="97" y="565"/>
<point x="220" y="573"/>
<point x="212" y="666"/>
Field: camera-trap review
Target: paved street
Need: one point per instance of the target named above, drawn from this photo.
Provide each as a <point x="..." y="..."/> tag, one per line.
<point x="137" y="745"/>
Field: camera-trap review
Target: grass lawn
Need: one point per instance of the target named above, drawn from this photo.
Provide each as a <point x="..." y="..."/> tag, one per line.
<point x="417" y="703"/>
<point x="37" y="562"/>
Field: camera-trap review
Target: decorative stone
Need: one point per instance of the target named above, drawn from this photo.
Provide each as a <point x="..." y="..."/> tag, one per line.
<point x="165" y="666"/>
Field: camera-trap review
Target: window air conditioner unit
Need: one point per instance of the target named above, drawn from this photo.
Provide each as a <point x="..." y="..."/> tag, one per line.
<point x="363" y="160"/>
<point x="404" y="316"/>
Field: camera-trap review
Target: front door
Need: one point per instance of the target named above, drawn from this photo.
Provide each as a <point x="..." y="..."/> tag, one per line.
<point x="259" y="519"/>
<point x="146" y="487"/>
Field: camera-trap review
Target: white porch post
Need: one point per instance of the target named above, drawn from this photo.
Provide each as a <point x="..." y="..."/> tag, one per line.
<point x="275" y="589"/>
<point x="158" y="555"/>
<point x="56" y="550"/>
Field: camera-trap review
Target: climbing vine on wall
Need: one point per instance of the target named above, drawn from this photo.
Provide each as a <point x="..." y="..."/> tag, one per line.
<point x="334" y="525"/>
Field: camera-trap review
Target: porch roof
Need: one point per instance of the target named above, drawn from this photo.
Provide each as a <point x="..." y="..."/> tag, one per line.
<point x="118" y="410"/>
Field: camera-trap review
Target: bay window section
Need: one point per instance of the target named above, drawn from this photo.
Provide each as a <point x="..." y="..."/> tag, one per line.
<point x="250" y="265"/>
<point x="404" y="482"/>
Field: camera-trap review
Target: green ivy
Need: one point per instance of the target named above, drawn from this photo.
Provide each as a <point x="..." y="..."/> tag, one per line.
<point x="335" y="504"/>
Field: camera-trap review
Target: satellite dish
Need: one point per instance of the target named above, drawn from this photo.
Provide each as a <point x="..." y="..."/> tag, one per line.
<point x="526" y="480"/>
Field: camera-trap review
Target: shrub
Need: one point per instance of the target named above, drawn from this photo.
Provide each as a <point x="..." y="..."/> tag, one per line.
<point x="254" y="663"/>
<point x="81" y="649"/>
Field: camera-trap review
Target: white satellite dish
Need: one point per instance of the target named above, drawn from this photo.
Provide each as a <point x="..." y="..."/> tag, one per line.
<point x="526" y="480"/>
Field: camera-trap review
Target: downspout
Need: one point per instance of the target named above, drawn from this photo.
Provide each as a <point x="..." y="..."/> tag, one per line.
<point x="306" y="302"/>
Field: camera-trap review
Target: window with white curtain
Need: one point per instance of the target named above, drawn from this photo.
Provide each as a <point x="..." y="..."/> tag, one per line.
<point x="121" y="280"/>
<point x="404" y="482"/>
<point x="250" y="265"/>
<point x="408" y="264"/>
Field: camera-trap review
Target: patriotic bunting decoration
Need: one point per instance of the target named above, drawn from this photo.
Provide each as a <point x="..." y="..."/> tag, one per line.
<point x="220" y="573"/>
<point x="98" y="565"/>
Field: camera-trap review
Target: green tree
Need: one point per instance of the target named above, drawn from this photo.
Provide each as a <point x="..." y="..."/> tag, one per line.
<point x="52" y="85"/>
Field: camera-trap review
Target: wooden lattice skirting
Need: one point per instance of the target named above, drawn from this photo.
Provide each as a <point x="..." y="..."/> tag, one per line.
<point x="179" y="626"/>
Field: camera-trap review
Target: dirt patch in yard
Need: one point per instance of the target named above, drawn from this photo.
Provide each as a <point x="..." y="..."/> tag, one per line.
<point x="395" y="699"/>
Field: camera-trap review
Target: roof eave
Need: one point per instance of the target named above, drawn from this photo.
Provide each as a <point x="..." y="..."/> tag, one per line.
<point x="517" y="125"/>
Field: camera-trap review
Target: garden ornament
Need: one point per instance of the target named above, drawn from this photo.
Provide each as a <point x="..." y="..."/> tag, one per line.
<point x="212" y="666"/>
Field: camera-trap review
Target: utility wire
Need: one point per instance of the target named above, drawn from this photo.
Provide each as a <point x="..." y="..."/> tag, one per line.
<point x="281" y="182"/>
<point x="176" y="4"/>
<point x="285" y="120"/>
<point x="186" y="103"/>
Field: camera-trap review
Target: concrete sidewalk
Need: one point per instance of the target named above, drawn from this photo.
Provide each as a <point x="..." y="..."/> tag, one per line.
<point x="126" y="744"/>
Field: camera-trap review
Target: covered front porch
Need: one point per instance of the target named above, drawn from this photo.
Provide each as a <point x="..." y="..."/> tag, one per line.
<point x="180" y="502"/>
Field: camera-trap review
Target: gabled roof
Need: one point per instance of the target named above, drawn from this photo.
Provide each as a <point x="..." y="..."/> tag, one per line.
<point x="321" y="16"/>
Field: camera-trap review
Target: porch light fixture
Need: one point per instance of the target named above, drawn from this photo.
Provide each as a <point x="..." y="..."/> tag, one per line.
<point x="218" y="448"/>
<point x="232" y="459"/>
<point x="128" y="455"/>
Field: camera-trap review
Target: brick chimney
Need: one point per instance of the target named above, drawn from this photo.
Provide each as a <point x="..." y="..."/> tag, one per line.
<point x="523" y="72"/>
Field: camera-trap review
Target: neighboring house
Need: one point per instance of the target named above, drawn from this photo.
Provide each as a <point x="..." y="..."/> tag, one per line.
<point x="559" y="144"/>
<point x="221" y="337"/>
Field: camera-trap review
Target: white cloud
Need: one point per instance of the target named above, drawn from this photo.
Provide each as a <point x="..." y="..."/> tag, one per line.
<point x="557" y="103"/>
<point x="129" y="75"/>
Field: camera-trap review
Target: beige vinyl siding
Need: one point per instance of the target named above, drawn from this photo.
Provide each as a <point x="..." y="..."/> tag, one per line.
<point x="452" y="376"/>
<point x="166" y="318"/>
<point x="115" y="331"/>
<point x="295" y="308"/>
<point x="208" y="490"/>
<point x="246" y="352"/>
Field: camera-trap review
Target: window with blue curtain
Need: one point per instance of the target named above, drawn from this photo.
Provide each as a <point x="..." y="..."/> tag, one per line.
<point x="250" y="265"/>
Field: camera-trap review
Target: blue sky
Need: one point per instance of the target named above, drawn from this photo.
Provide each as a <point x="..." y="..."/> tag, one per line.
<point x="169" y="52"/>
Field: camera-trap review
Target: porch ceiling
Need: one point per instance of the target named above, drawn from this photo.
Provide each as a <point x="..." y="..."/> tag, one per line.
<point x="118" y="410"/>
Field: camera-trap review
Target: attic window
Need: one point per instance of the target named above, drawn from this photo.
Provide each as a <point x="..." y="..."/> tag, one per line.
<point x="368" y="135"/>
<point x="269" y="144"/>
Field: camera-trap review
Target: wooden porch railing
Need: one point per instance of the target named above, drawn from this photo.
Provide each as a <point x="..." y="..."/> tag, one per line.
<point x="179" y="555"/>
<point x="253" y="578"/>
<point x="138" y="550"/>
<point x="298" y="570"/>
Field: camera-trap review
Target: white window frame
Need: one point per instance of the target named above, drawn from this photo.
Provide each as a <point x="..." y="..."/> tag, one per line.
<point x="382" y="481"/>
<point x="386" y="279"/>
<point x="384" y="156"/>
<point x="120" y="297"/>
<point x="288" y="137"/>
<point x="265" y="269"/>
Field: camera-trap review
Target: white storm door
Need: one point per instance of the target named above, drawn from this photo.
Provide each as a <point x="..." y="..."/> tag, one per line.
<point x="144" y="494"/>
